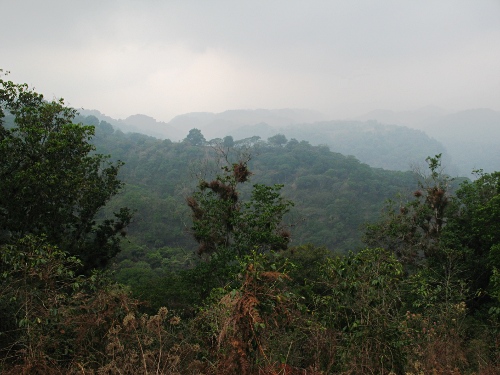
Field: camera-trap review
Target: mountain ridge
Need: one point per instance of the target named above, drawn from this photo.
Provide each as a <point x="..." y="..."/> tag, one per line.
<point x="469" y="137"/>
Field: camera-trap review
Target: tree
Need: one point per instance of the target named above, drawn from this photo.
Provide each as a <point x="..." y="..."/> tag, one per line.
<point x="228" y="141"/>
<point x="248" y="142"/>
<point x="227" y="227"/>
<point x="195" y="138"/>
<point x="222" y="221"/>
<point x="473" y="228"/>
<point x="448" y="242"/>
<point x="52" y="182"/>
<point x="412" y="229"/>
<point x="277" y="140"/>
<point x="36" y="282"/>
<point x="360" y="296"/>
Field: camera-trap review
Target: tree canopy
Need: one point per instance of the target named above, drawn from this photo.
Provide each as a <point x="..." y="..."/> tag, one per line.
<point x="52" y="182"/>
<point x="195" y="138"/>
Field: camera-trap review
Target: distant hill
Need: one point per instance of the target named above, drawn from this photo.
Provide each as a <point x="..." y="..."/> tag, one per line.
<point x="479" y="125"/>
<point x="138" y="124"/>
<point x="378" y="145"/>
<point x="471" y="137"/>
<point x="414" y="119"/>
<point x="213" y="125"/>
<point x="386" y="139"/>
<point x="218" y="125"/>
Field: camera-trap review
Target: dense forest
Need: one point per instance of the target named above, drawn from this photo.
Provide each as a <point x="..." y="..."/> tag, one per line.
<point x="121" y="253"/>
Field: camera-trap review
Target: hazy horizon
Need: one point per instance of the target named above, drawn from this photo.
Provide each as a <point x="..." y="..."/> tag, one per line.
<point x="343" y="59"/>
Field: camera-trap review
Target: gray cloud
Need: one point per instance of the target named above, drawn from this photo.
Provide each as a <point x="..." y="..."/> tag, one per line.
<point x="168" y="57"/>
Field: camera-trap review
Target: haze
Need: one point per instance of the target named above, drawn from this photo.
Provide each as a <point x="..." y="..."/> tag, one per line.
<point x="165" y="58"/>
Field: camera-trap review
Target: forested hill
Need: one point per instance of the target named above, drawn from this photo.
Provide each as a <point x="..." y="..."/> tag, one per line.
<point x="378" y="145"/>
<point x="265" y="286"/>
<point x="470" y="136"/>
<point x="333" y="194"/>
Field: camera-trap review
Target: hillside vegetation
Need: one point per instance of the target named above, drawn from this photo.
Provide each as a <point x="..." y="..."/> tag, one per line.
<point x="469" y="136"/>
<point x="334" y="194"/>
<point x="234" y="256"/>
<point x="390" y="147"/>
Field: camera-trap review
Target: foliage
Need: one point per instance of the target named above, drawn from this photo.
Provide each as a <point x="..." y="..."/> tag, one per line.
<point x="149" y="344"/>
<point x="57" y="322"/>
<point x="475" y="226"/>
<point x="424" y="299"/>
<point x="159" y="277"/>
<point x="361" y="299"/>
<point x="195" y="138"/>
<point x="307" y="261"/>
<point x="333" y="194"/>
<point x="258" y="327"/>
<point x="228" y="141"/>
<point x="222" y="221"/>
<point x="450" y="236"/>
<point x="412" y="232"/>
<point x="52" y="182"/>
<point x="36" y="281"/>
<point x="226" y="227"/>
<point x="447" y="243"/>
<point x="277" y="140"/>
<point x="52" y="317"/>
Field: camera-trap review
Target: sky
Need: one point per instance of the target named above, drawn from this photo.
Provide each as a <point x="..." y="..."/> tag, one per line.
<point x="164" y="58"/>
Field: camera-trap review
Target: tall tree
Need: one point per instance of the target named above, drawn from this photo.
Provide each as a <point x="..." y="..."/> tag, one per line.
<point x="52" y="182"/>
<point x="228" y="227"/>
<point x="221" y="221"/>
<point x="195" y="138"/>
<point x="277" y="140"/>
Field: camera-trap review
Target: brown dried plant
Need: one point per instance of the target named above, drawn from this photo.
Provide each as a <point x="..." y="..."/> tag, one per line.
<point x="149" y="345"/>
<point x="255" y="327"/>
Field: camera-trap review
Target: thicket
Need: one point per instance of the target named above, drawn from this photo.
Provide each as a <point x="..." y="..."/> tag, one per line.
<point x="422" y="298"/>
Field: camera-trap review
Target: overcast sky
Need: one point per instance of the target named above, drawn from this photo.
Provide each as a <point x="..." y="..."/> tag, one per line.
<point x="344" y="58"/>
